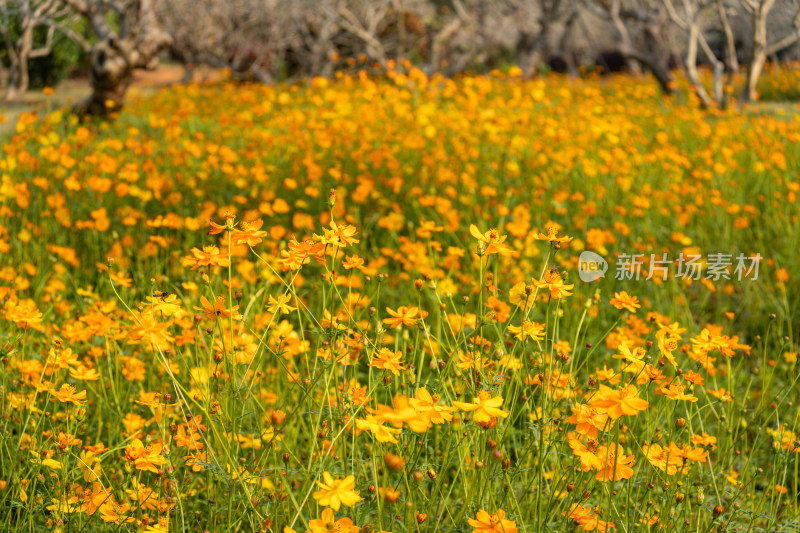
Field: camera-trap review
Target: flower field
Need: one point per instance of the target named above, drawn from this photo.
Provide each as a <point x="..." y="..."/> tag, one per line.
<point x="364" y="304"/>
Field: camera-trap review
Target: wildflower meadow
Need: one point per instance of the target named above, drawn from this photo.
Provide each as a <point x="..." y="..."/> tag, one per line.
<point x="396" y="303"/>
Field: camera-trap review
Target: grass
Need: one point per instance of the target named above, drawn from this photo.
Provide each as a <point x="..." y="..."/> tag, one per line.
<point x="357" y="304"/>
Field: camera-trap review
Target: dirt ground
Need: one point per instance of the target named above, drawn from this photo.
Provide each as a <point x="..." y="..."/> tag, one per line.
<point x="75" y="90"/>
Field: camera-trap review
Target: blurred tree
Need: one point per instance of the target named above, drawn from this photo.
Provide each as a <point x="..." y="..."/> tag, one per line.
<point x="640" y="27"/>
<point x="763" y="44"/>
<point x="689" y="16"/>
<point x="129" y="37"/>
<point x="29" y="29"/>
<point x="539" y="43"/>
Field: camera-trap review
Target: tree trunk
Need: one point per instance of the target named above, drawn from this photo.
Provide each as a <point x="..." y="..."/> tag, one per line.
<point x="733" y="61"/>
<point x="657" y="59"/>
<point x="529" y="54"/>
<point x="564" y="47"/>
<point x="19" y="79"/>
<point x="655" y="55"/>
<point x="113" y="59"/>
<point x="110" y="75"/>
<point x="691" y="65"/>
<point x="759" y="54"/>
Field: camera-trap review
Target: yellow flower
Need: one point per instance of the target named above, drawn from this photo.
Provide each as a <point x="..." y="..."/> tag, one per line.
<point x="337" y="492"/>
<point x="24" y="313"/>
<point x="376" y="427"/>
<point x="427" y="405"/>
<point x="486" y="407"/>
<point x="279" y="306"/>
<point x="404" y="316"/>
<point x="520" y="296"/>
<point x="552" y="235"/>
<point x="492" y="239"/>
<point x="528" y="329"/>
<point x="327" y="523"/>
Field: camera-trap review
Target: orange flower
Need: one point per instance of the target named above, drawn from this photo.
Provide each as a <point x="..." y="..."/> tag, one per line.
<point x="615" y="465"/>
<point x="664" y="459"/>
<point x="300" y="253"/>
<point x="209" y="255"/>
<point x="145" y="457"/>
<point x="553" y="282"/>
<point x="121" y="279"/>
<point x="623" y="300"/>
<point x="388" y="360"/>
<point x="705" y="440"/>
<point x="624" y="401"/>
<point x="338" y="235"/>
<point x="150" y="329"/>
<point x="353" y="262"/>
<point x="585" y="454"/>
<point x="84" y="373"/>
<point x="588" y="420"/>
<point x="675" y="392"/>
<point x="218" y="309"/>
<point x="67" y="393"/>
<point x="588" y="519"/>
<point x="494" y="523"/>
<point x="693" y="377"/>
<point x="404" y="316"/>
<point x="250" y="233"/>
<point x="217" y="229"/>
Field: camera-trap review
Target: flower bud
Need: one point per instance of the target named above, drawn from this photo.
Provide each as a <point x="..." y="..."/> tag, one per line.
<point x="389" y="494"/>
<point x="393" y="462"/>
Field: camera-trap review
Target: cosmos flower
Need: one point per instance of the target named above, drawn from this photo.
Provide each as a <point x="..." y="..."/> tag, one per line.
<point x="334" y="493"/>
<point x="617" y="403"/>
<point x="492" y="523"/>
<point x="485" y="407"/>
<point x="623" y="300"/>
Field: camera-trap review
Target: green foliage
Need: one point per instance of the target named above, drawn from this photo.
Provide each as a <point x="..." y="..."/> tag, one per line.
<point x="66" y="58"/>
